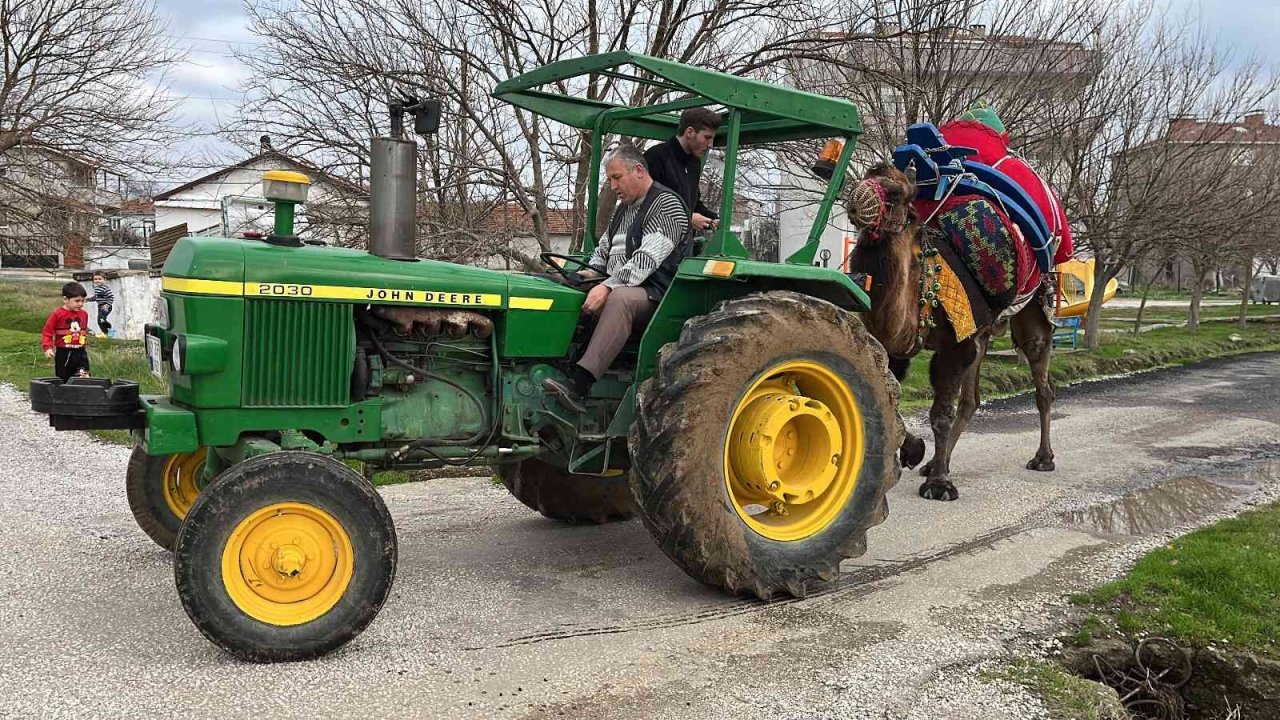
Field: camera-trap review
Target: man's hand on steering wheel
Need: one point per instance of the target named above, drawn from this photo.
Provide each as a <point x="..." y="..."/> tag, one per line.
<point x="586" y="277"/>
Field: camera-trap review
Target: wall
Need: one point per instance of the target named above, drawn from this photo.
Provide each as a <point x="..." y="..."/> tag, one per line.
<point x="528" y="246"/>
<point x="196" y="218"/>
<point x="795" y="219"/>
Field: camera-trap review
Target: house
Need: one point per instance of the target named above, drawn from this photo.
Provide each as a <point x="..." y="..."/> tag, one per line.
<point x="1219" y="167"/>
<point x="51" y="206"/>
<point x="510" y="226"/>
<point x="229" y="202"/>
<point x="128" y="230"/>
<point x="898" y="78"/>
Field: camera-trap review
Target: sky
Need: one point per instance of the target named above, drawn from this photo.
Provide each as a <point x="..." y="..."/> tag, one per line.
<point x="211" y="29"/>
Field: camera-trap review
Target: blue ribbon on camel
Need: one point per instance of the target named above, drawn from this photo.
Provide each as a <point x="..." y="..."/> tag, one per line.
<point x="942" y="169"/>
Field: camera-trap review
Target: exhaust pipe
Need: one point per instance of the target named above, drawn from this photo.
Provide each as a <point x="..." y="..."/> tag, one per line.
<point x="393" y="198"/>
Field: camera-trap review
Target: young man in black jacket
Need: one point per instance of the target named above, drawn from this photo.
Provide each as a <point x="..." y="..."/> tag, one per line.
<point x="677" y="163"/>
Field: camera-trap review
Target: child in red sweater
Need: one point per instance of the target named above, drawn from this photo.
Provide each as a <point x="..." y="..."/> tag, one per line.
<point x="65" y="334"/>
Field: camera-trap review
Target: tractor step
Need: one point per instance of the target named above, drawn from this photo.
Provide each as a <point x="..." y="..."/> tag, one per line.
<point x="88" y="403"/>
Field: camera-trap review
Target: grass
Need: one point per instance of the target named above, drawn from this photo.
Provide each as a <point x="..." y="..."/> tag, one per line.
<point x="1220" y="584"/>
<point x="1064" y="694"/>
<point x="1163" y="293"/>
<point x="25" y="305"/>
<point x="1118" y="353"/>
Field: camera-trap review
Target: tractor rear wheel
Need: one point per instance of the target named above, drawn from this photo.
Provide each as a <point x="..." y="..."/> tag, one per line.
<point x="564" y="496"/>
<point x="161" y="489"/>
<point x="765" y="442"/>
<point x="285" y="557"/>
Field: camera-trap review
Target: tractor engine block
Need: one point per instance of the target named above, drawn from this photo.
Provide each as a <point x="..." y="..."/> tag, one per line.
<point x="433" y="369"/>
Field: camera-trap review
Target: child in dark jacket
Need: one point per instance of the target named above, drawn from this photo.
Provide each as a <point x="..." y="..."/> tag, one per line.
<point x="65" y="334"/>
<point x="103" y="296"/>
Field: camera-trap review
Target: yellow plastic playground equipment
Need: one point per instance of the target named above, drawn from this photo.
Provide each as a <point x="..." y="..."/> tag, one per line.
<point x="1075" y="286"/>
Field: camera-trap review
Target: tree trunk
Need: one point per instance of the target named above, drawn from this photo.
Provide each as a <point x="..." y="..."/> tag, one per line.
<point x="1142" y="305"/>
<point x="1243" y="319"/>
<point x="1197" y="294"/>
<point x="1101" y="276"/>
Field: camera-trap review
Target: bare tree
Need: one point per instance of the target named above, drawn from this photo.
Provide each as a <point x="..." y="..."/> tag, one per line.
<point x="83" y="103"/>
<point x="327" y="68"/>
<point x="1132" y="181"/>
<point x="907" y="61"/>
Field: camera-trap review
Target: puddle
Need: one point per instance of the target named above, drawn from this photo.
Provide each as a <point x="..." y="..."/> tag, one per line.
<point x="1161" y="507"/>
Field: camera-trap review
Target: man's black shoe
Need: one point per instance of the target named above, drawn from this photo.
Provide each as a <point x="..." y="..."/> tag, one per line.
<point x="567" y="395"/>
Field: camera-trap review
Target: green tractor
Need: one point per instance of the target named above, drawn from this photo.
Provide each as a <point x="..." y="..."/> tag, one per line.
<point x="753" y="425"/>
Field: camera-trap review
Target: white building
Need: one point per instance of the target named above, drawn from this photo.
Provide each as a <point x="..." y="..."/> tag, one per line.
<point x="52" y="206"/>
<point x="229" y="202"/>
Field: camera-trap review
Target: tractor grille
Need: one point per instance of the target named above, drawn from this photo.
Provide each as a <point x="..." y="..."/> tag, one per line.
<point x="297" y="354"/>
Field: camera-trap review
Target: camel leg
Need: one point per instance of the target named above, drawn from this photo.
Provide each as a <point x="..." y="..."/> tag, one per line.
<point x="948" y="372"/>
<point x="1033" y="335"/>
<point x="970" y="399"/>
<point x="970" y="393"/>
<point x="912" y="449"/>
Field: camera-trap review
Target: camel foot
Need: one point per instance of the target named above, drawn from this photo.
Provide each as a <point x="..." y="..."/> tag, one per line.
<point x="943" y="490"/>
<point x="1042" y="464"/>
<point x="912" y="451"/>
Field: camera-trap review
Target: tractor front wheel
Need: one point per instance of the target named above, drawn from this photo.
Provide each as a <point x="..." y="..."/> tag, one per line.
<point x="765" y="442"/>
<point x="564" y="496"/>
<point x="161" y="489"/>
<point x="285" y="557"/>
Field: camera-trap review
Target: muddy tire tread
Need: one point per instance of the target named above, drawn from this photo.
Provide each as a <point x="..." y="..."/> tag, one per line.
<point x="674" y="448"/>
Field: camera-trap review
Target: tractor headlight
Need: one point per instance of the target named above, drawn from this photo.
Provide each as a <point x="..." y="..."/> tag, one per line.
<point x="197" y="355"/>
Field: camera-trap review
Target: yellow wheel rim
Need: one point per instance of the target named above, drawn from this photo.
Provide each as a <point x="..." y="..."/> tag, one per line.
<point x="180" y="488"/>
<point x="287" y="564"/>
<point x="794" y="450"/>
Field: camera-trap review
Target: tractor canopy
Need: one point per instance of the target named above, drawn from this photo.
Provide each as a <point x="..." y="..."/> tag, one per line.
<point x="754" y="112"/>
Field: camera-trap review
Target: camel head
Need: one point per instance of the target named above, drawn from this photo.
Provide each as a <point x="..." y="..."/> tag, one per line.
<point x="880" y="207"/>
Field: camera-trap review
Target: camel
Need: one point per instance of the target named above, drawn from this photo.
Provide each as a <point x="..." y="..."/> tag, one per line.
<point x="888" y="250"/>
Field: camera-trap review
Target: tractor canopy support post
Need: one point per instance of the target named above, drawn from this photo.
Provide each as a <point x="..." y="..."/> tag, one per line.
<point x="805" y="255"/>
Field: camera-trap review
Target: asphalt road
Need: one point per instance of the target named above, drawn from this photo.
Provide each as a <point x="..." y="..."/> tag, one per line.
<point x="498" y="613"/>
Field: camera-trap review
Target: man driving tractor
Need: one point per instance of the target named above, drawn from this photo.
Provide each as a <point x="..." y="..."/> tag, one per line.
<point x="638" y="253"/>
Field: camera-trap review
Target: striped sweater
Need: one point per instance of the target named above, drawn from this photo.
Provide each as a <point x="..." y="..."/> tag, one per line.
<point x="102" y="295"/>
<point x="666" y="223"/>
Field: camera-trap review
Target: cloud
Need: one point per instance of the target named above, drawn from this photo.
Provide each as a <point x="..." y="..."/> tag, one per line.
<point x="1242" y="27"/>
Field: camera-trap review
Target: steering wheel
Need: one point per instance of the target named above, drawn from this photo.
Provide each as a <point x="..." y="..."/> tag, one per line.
<point x="572" y="279"/>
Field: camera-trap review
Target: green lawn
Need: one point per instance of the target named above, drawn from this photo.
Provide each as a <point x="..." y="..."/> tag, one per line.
<point x="1220" y="584"/>
<point x="25" y="305"/>
<point x="1118" y="353"/>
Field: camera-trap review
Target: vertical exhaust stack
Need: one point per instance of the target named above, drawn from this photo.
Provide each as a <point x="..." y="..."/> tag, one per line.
<point x="393" y="197"/>
<point x="393" y="174"/>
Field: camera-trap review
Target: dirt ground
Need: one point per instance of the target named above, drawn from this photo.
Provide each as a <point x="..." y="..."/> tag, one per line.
<point x="497" y="613"/>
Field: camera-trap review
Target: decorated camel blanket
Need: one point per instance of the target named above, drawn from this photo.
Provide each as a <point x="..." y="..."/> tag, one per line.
<point x="982" y="247"/>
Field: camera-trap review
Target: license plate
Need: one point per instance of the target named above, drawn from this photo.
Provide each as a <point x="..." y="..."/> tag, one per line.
<point x="155" y="356"/>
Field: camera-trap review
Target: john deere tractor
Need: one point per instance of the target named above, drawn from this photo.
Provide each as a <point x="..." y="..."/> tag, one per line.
<point x="752" y="425"/>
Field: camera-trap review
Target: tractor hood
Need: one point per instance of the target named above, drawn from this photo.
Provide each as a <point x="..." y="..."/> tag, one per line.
<point x="252" y="268"/>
